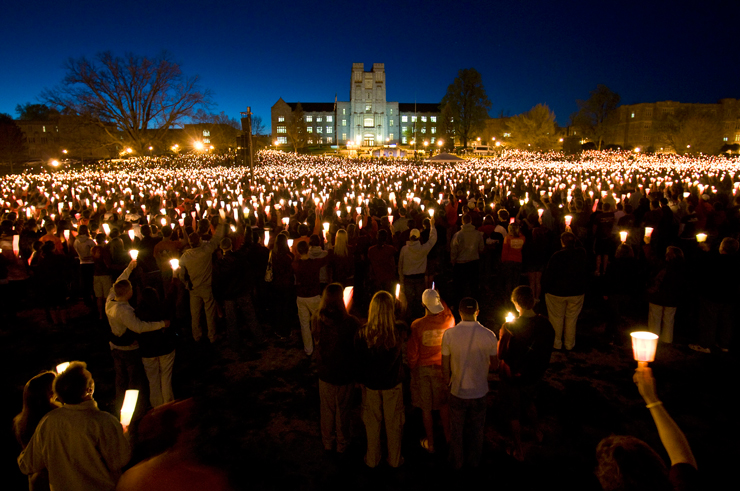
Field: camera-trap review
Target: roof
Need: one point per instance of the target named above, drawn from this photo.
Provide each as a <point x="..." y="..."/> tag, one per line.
<point x="445" y="157"/>
<point x="313" y="107"/>
<point x="419" y="107"/>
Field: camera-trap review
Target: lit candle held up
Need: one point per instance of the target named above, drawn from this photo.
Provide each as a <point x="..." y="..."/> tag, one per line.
<point x="398" y="291"/>
<point x="347" y="295"/>
<point x="134" y="254"/>
<point x="175" y="263"/>
<point x="62" y="367"/>
<point x="129" y="405"/>
<point x="644" y="345"/>
<point x="510" y="317"/>
<point x="568" y="219"/>
<point x="701" y="238"/>
<point x="131" y="235"/>
<point x="623" y="236"/>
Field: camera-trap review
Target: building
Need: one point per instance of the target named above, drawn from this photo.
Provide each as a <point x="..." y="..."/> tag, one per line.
<point x="368" y="119"/>
<point x="634" y="125"/>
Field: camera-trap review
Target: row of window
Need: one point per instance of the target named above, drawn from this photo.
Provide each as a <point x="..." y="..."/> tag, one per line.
<point x="405" y="119"/>
<point x="423" y="129"/>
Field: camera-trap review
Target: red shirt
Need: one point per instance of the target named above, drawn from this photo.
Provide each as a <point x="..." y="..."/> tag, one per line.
<point x="424" y="346"/>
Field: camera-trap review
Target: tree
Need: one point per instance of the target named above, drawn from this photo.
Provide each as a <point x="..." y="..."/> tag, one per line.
<point x="689" y="129"/>
<point x="467" y="104"/>
<point x="591" y="118"/>
<point x="258" y="127"/>
<point x="143" y="97"/>
<point x="296" y="128"/>
<point x="12" y="143"/>
<point x="533" y="130"/>
<point x="35" y="112"/>
<point x="222" y="130"/>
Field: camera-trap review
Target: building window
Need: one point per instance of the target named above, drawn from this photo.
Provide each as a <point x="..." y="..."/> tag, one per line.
<point x="368" y="108"/>
<point x="309" y="129"/>
<point x="423" y="119"/>
<point x="391" y="111"/>
<point x="328" y="119"/>
<point x="432" y="140"/>
<point x="403" y="129"/>
<point x="282" y="140"/>
<point x="319" y="119"/>
<point x="309" y="118"/>
<point x="737" y="138"/>
<point x="328" y="129"/>
<point x="649" y="113"/>
<point x="319" y="129"/>
<point x="369" y="123"/>
<point x="44" y="128"/>
<point x="328" y="139"/>
<point x="390" y="122"/>
<point x="404" y="140"/>
<point x="206" y="140"/>
<point x="344" y="111"/>
<point x="390" y="136"/>
<point x="344" y="122"/>
<point x="725" y="138"/>
<point x="434" y="129"/>
<point x="310" y="142"/>
<point x="507" y="135"/>
<point x="368" y="83"/>
<point x="404" y="119"/>
<point x="633" y="115"/>
<point x="206" y="133"/>
<point x="281" y="119"/>
<point x="413" y="119"/>
<point x="433" y="119"/>
<point x="281" y="129"/>
<point x="423" y="129"/>
<point x="344" y="136"/>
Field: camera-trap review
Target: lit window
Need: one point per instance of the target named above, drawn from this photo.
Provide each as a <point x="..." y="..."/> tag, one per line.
<point x="206" y="140"/>
<point x="328" y="129"/>
<point x="368" y="108"/>
<point x="369" y="123"/>
<point x="328" y="119"/>
<point x="310" y="141"/>
<point x="44" y="128"/>
<point x="390" y="122"/>
<point x="434" y="129"/>
<point x="206" y="133"/>
<point x="433" y="119"/>
<point x="633" y="115"/>
<point x="737" y="138"/>
<point x="413" y="119"/>
<point x="282" y="140"/>
<point x="319" y="129"/>
<point x="281" y="119"/>
<point x="344" y="122"/>
<point x="309" y="118"/>
<point x="344" y="136"/>
<point x="404" y="119"/>
<point x="725" y="138"/>
<point x="281" y="129"/>
<point x="328" y="139"/>
<point x="391" y="111"/>
<point x="344" y="110"/>
<point x="390" y="136"/>
<point x="403" y="129"/>
<point x="319" y="119"/>
<point x="404" y="140"/>
<point x="423" y="129"/>
<point x="507" y="135"/>
<point x="309" y="129"/>
<point x="432" y="140"/>
<point x="423" y="119"/>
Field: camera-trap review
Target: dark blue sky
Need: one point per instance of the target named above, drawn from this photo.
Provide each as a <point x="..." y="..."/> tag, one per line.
<point x="527" y="52"/>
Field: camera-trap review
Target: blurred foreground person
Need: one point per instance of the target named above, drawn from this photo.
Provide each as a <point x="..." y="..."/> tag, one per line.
<point x="628" y="463"/>
<point x="334" y="333"/>
<point x="82" y="447"/>
<point x="380" y="372"/>
<point x="38" y="400"/>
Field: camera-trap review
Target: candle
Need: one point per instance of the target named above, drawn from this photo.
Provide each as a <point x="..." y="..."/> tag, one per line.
<point x="163" y="221"/>
<point x="62" y="367"/>
<point x="648" y="231"/>
<point x="175" y="263"/>
<point x="568" y="219"/>
<point x="510" y="317"/>
<point x="267" y="237"/>
<point x="701" y="238"/>
<point x="644" y="345"/>
<point x="106" y="229"/>
<point x="431" y="212"/>
<point x="623" y="235"/>
<point x="131" y="234"/>
<point x="347" y="295"/>
<point x="290" y="243"/>
<point x="129" y="405"/>
<point x="286" y="221"/>
<point x="398" y="291"/>
<point x="134" y="254"/>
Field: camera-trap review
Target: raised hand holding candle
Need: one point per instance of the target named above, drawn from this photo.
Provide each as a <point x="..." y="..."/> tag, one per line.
<point x="644" y="345"/>
<point x="129" y="405"/>
<point x="134" y="254"/>
<point x="623" y="236"/>
<point x="175" y="263"/>
<point x="510" y="317"/>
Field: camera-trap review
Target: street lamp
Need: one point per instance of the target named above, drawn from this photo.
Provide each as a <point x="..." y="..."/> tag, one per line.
<point x="198" y="145"/>
<point x="150" y="150"/>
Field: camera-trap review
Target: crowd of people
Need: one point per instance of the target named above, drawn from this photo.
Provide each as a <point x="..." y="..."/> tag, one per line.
<point x="380" y="265"/>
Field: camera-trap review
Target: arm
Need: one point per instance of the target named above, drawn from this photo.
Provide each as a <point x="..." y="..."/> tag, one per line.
<point x="124" y="276"/>
<point x="432" y="240"/>
<point x="212" y="245"/>
<point x="128" y="318"/>
<point x="671" y="436"/>
<point x="114" y="447"/>
<point x="31" y="460"/>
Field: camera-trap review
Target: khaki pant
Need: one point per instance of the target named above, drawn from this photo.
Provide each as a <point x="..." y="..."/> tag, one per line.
<point x="335" y="408"/>
<point x="563" y="313"/>
<point x="379" y="405"/>
<point x="199" y="300"/>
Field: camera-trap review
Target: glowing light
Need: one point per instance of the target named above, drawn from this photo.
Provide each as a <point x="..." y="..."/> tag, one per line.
<point x="510" y="317"/>
<point x="701" y="238"/>
<point x="175" y="263"/>
<point x="62" y="367"/>
<point x="648" y="231"/>
<point x="644" y="345"/>
<point x="398" y="291"/>
<point x="347" y="295"/>
<point x="134" y="254"/>
<point x="129" y="405"/>
<point x="623" y="235"/>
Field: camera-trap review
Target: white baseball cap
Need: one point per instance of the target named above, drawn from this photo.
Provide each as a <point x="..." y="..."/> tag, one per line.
<point x="430" y="299"/>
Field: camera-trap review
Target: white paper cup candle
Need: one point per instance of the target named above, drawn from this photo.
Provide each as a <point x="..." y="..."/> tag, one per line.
<point x="129" y="405"/>
<point x="347" y="295"/>
<point x="131" y="235"/>
<point x="398" y="291"/>
<point x="644" y="345"/>
<point x="175" y="263"/>
<point x="648" y="231"/>
<point x="134" y="254"/>
<point x="701" y="238"/>
<point x="62" y="367"/>
<point x="568" y="219"/>
<point x="510" y="317"/>
<point x="623" y="236"/>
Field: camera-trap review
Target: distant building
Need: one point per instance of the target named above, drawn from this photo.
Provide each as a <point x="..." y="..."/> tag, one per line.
<point x="633" y="125"/>
<point x="49" y="138"/>
<point x="367" y="120"/>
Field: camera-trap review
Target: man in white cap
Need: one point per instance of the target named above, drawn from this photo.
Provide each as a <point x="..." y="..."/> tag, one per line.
<point x="424" y="351"/>
<point x="412" y="267"/>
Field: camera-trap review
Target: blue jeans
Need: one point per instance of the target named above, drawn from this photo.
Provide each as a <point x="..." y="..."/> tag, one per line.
<point x="467" y="419"/>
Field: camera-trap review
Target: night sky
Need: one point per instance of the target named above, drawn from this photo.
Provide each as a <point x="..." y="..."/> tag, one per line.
<point x="252" y="53"/>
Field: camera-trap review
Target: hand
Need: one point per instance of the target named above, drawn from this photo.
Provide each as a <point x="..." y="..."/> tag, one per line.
<point x="166" y="324"/>
<point x="704" y="246"/>
<point x="645" y="382"/>
<point x="132" y="264"/>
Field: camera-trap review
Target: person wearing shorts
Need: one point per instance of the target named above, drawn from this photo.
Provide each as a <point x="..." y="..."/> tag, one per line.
<point x="424" y="349"/>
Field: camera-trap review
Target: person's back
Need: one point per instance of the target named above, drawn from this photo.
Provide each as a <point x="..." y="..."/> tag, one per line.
<point x="529" y="342"/>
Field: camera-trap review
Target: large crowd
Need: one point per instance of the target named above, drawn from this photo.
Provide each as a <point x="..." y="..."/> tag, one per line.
<point x="382" y="267"/>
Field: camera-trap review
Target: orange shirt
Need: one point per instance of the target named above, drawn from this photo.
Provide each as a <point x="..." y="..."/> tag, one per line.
<point x="424" y="346"/>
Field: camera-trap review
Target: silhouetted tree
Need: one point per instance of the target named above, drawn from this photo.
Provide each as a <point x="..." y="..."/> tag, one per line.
<point x="591" y="119"/>
<point x="533" y="130"/>
<point x="466" y="104"/>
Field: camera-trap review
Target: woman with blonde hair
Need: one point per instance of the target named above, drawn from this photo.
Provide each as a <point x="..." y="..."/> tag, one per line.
<point x="343" y="262"/>
<point x="333" y="331"/>
<point x="379" y="371"/>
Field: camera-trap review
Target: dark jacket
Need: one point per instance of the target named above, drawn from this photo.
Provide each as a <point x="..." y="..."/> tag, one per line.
<point x="334" y="337"/>
<point x="378" y="368"/>
<point x="566" y="273"/>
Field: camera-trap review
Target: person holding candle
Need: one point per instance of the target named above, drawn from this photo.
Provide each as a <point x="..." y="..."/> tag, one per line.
<point x="82" y="447"/>
<point x="511" y="258"/>
<point x="307" y="272"/>
<point x="334" y="331"/>
<point x="412" y="266"/>
<point x="524" y="348"/>
<point x="83" y="245"/>
<point x="379" y="369"/>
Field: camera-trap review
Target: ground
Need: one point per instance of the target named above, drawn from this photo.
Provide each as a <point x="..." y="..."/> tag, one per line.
<point x="260" y="416"/>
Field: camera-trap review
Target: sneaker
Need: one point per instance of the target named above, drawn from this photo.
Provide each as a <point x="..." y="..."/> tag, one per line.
<point x="699" y="348"/>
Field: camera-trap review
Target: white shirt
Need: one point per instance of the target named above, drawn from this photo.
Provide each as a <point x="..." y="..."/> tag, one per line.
<point x="82" y="447"/>
<point x="121" y="316"/>
<point x="470" y="347"/>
